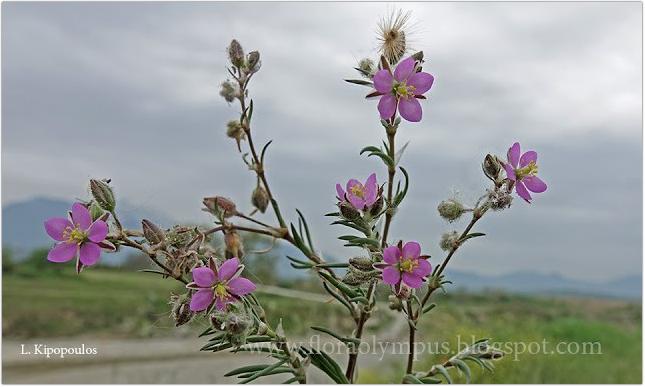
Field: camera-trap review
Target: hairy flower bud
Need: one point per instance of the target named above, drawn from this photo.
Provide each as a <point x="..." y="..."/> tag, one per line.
<point x="220" y="206"/>
<point x="491" y="167"/>
<point x="218" y="320"/>
<point x="103" y="194"/>
<point x="361" y="263"/>
<point x="499" y="199"/>
<point x="179" y="236"/>
<point x="95" y="210"/>
<point x="355" y="277"/>
<point x="236" y="324"/>
<point x="366" y="67"/>
<point x="152" y="233"/>
<point x="348" y="211"/>
<point x="181" y="312"/>
<point x="236" y="54"/>
<point x="377" y="206"/>
<point x="253" y="61"/>
<point x="394" y="303"/>
<point x="449" y="241"/>
<point x="260" y="198"/>
<point x="234" y="246"/>
<point x="229" y="91"/>
<point x="450" y="209"/>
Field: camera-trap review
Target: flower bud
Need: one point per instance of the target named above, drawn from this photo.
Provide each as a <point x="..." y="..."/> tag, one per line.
<point x="236" y="324"/>
<point x="348" y="211"/>
<point x="95" y="210"/>
<point x="499" y="199"/>
<point x="450" y="209"/>
<point x="218" y="321"/>
<point x="103" y="194"/>
<point x="377" y="206"/>
<point x="394" y="303"/>
<point x="152" y="233"/>
<point x="234" y="129"/>
<point x="220" y="206"/>
<point x="229" y="91"/>
<point x="234" y="246"/>
<point x="404" y="292"/>
<point x="253" y="61"/>
<point x="179" y="236"/>
<point x="181" y="312"/>
<point x="236" y="54"/>
<point x="491" y="167"/>
<point x="260" y="198"/>
<point x="361" y="263"/>
<point x="449" y="241"/>
<point x="366" y="67"/>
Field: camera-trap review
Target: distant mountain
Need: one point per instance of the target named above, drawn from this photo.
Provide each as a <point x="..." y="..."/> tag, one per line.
<point x="22" y="222"/>
<point x="23" y="231"/>
<point x="538" y="283"/>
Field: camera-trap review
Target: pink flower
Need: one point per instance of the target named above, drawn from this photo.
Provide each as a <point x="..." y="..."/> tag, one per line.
<point x="404" y="264"/>
<point x="360" y="196"/>
<point x="403" y="89"/>
<point x="223" y="284"/>
<point x="78" y="237"/>
<point x="522" y="171"/>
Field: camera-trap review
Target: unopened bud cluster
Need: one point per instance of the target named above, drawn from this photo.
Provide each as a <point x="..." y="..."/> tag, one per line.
<point x="180" y="309"/>
<point x="102" y="194"/>
<point x="451" y="209"/>
<point x="260" y="198"/>
<point x="449" y="241"/>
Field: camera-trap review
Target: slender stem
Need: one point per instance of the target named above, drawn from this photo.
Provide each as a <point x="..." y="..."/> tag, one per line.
<point x="389" y="213"/>
<point x="251" y="219"/>
<point x="411" y="339"/>
<point x="353" y="357"/>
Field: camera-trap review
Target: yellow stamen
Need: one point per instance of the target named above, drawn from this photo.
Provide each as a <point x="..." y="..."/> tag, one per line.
<point x="75" y="235"/>
<point x="358" y="190"/>
<point x="529" y="170"/>
<point x="220" y="290"/>
<point x="408" y="265"/>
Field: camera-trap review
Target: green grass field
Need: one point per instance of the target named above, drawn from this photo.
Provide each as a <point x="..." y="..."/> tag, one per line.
<point x="615" y="325"/>
<point x="110" y="303"/>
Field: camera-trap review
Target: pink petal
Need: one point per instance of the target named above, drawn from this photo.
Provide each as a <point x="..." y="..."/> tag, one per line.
<point x="534" y="184"/>
<point x="391" y="275"/>
<point x="383" y="81"/>
<point x="410" y="109"/>
<point x="522" y="191"/>
<point x="340" y="192"/>
<point x="411" y="250"/>
<point x="204" y="277"/>
<point x="412" y="280"/>
<point x="527" y="157"/>
<point x="510" y="172"/>
<point x="97" y="231"/>
<point x="513" y="154"/>
<point x="228" y="269"/>
<point x="56" y="226"/>
<point x="422" y="82"/>
<point x="423" y="269"/>
<point x="241" y="286"/>
<point x="356" y="201"/>
<point x="201" y="300"/>
<point x="62" y="252"/>
<point x="81" y="216"/>
<point x="371" y="189"/>
<point x="404" y="69"/>
<point x="391" y="255"/>
<point x="89" y="254"/>
<point x="387" y="106"/>
<point x="220" y="303"/>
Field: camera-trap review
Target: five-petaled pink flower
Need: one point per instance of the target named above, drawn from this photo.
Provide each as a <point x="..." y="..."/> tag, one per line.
<point x="402" y="89"/>
<point x="360" y="196"/>
<point x="404" y="263"/>
<point x="222" y="284"/>
<point x="78" y="237"/>
<point x="522" y="171"/>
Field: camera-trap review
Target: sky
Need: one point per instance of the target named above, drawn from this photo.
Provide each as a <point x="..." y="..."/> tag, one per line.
<point x="129" y="91"/>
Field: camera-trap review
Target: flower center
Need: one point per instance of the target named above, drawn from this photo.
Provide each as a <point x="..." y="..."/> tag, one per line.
<point x="403" y="90"/>
<point x="221" y="291"/>
<point x="75" y="235"/>
<point x="529" y="170"/>
<point x="408" y="265"/>
<point x="358" y="190"/>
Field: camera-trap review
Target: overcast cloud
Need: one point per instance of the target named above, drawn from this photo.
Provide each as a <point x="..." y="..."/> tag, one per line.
<point x="130" y="91"/>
